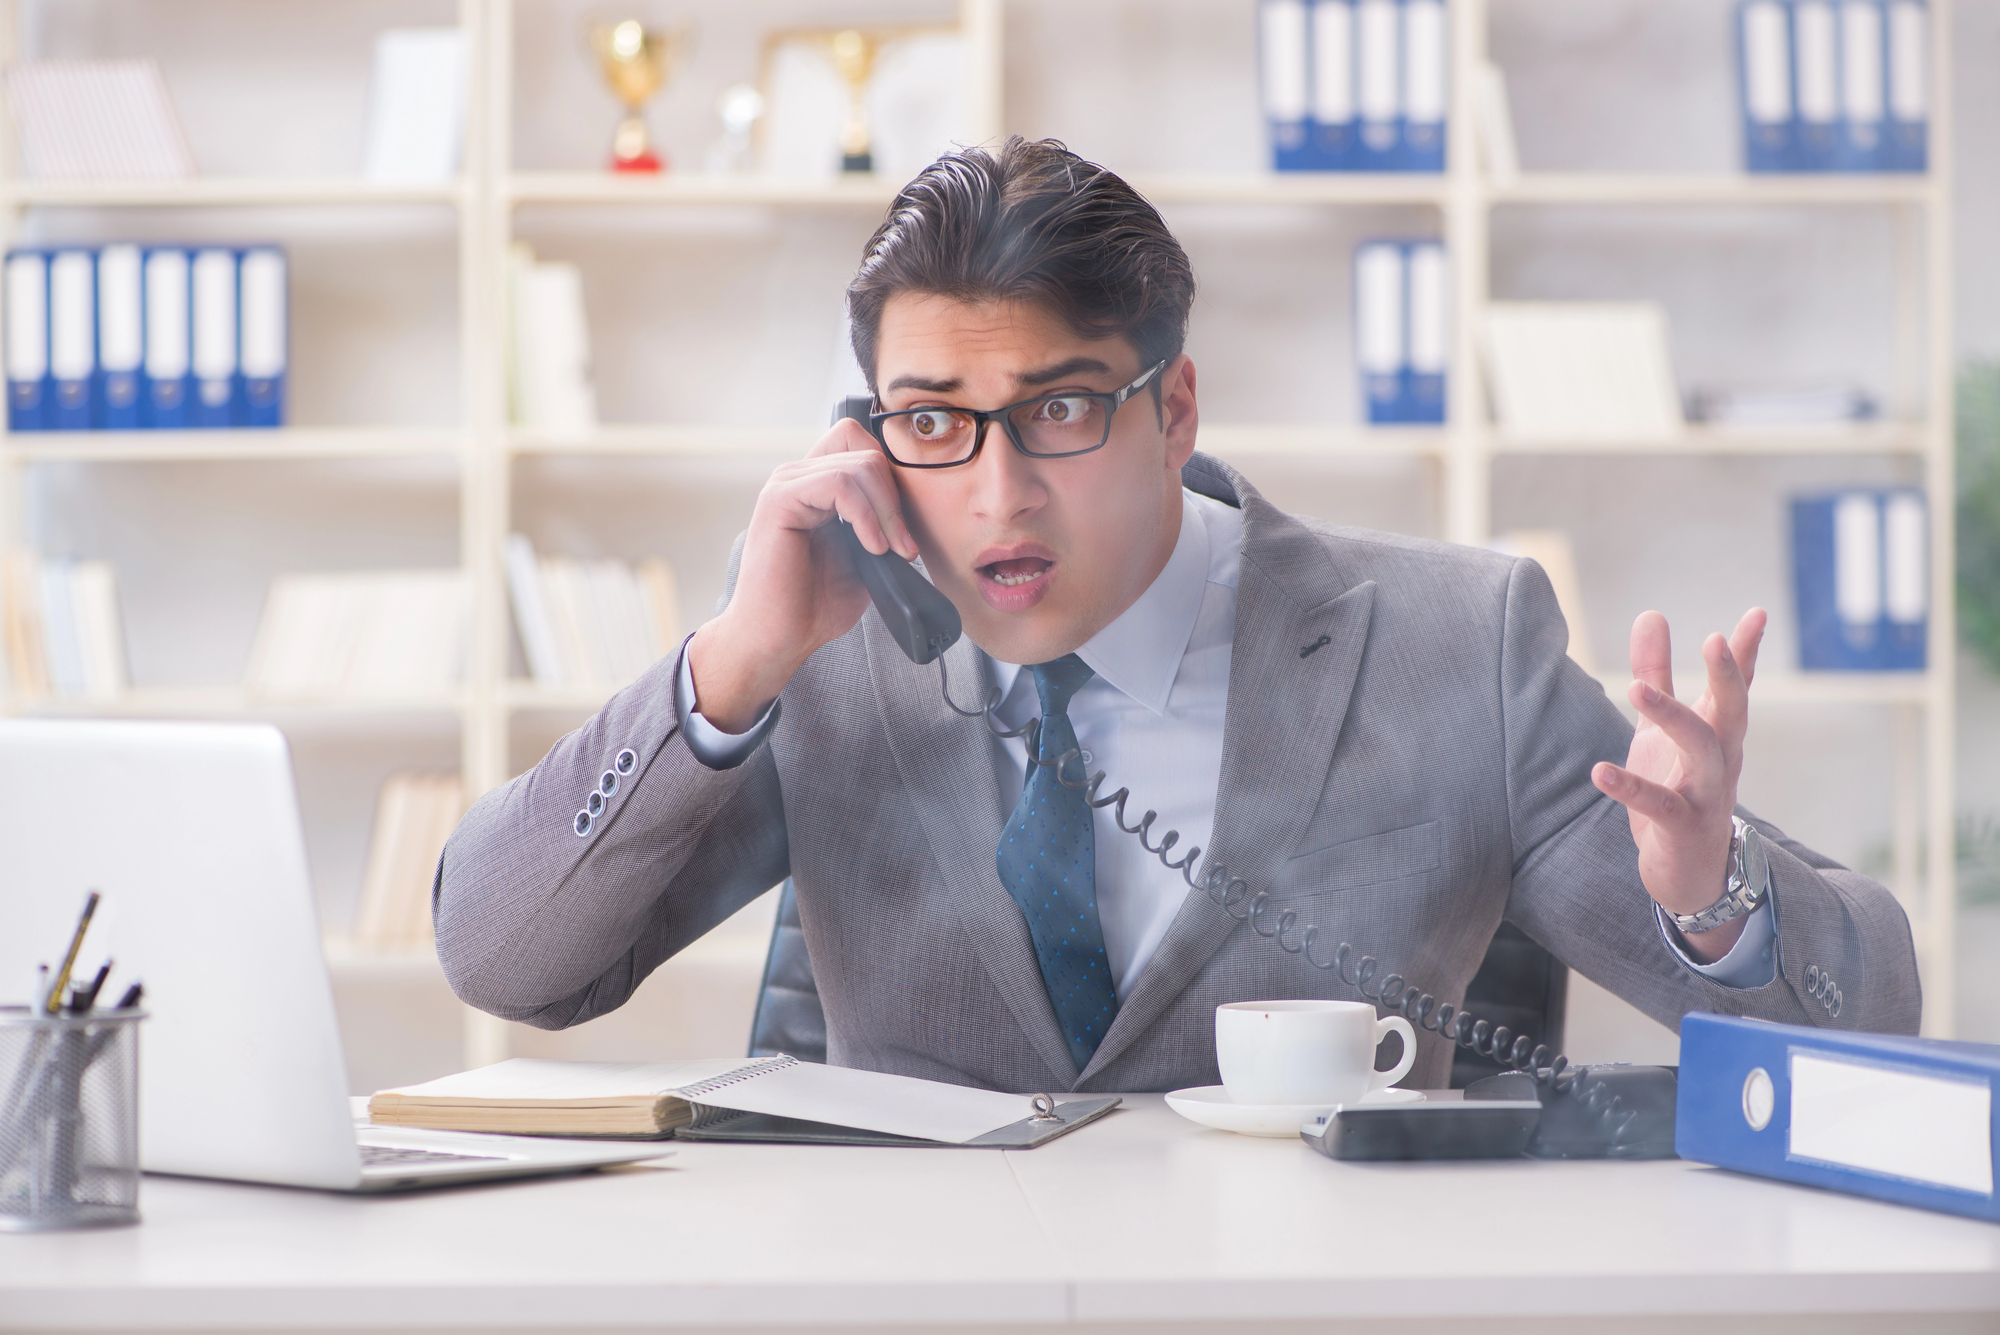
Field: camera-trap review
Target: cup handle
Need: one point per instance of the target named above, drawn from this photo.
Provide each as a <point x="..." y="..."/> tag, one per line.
<point x="1394" y="1024"/>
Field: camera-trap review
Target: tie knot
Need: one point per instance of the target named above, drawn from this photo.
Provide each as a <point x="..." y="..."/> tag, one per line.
<point x="1056" y="682"/>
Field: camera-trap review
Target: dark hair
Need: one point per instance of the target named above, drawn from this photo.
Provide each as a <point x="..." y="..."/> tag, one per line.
<point x="1033" y="223"/>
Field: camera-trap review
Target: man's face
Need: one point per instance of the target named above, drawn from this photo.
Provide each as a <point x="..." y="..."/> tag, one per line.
<point x="1037" y="554"/>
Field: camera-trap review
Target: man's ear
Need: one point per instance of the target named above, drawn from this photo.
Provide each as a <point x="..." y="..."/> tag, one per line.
<point x="1180" y="418"/>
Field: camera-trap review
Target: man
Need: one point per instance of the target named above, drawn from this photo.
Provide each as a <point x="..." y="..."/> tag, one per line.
<point x="1383" y="734"/>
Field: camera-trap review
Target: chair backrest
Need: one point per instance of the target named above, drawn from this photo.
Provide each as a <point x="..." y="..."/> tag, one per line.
<point x="1519" y="985"/>
<point x="788" y="1018"/>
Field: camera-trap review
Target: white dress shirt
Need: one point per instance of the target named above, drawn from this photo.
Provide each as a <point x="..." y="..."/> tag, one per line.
<point x="1151" y="719"/>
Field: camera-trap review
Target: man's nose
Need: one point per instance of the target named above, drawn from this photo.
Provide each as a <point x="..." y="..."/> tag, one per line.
<point x="1005" y="484"/>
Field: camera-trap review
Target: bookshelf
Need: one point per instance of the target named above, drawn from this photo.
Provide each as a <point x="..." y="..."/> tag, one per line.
<point x="487" y="459"/>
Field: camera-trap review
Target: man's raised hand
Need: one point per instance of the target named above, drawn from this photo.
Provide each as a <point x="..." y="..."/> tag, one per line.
<point x="1678" y="782"/>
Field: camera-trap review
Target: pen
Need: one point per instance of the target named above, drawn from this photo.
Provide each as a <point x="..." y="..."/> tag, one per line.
<point x="131" y="997"/>
<point x="96" y="986"/>
<point x="53" y="1003"/>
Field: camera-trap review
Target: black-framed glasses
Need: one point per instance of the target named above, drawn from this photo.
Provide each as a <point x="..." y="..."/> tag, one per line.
<point x="1051" y="426"/>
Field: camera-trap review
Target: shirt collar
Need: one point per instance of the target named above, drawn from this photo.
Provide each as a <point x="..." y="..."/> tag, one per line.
<point x="1140" y="652"/>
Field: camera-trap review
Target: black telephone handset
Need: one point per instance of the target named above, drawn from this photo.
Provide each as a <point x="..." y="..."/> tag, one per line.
<point x="1587" y="1112"/>
<point x="921" y="620"/>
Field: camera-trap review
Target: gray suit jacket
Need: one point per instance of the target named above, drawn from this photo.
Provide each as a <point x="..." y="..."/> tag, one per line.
<point x="1418" y="778"/>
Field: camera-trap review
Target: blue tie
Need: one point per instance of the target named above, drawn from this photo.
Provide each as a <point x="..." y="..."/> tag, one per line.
<point x="1048" y="862"/>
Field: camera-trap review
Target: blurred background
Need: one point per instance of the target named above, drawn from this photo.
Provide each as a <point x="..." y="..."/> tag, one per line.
<point x="492" y="317"/>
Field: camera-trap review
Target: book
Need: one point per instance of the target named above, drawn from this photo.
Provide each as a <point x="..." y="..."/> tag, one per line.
<point x="1901" y="1119"/>
<point x="97" y="120"/>
<point x="597" y="623"/>
<point x="416" y="107"/>
<point x="548" y="369"/>
<point x="1590" y="373"/>
<point x="728" y="1098"/>
<point x="63" y="636"/>
<point x="363" y="634"/>
<point x="415" y="813"/>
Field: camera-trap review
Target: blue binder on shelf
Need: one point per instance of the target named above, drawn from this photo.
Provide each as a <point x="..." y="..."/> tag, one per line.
<point x="1906" y="33"/>
<point x="1764" y="84"/>
<point x="1864" y="90"/>
<point x="25" y="292"/>
<point x="1333" y="125"/>
<point x="1815" y="86"/>
<point x="1426" y="82"/>
<point x="1909" y="1120"/>
<point x="1861" y="572"/>
<point x="1378" y="87"/>
<point x="218" y="380"/>
<point x="263" y="335"/>
<point x="1283" y="51"/>
<point x="72" y="339"/>
<point x="166" y="382"/>
<point x="121" y="337"/>
<point x="1401" y="335"/>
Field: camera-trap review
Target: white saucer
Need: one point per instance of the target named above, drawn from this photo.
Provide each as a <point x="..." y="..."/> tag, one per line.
<point x="1211" y="1105"/>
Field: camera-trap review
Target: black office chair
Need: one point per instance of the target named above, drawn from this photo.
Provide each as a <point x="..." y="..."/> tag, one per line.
<point x="1519" y="985"/>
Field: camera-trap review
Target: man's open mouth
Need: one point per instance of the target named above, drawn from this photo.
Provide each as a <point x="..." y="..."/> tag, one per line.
<point x="1012" y="574"/>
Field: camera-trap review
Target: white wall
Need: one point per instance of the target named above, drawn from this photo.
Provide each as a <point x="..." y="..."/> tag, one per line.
<point x="732" y="316"/>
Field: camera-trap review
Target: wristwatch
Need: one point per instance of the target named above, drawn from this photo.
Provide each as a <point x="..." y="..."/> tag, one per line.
<point x="1748" y="887"/>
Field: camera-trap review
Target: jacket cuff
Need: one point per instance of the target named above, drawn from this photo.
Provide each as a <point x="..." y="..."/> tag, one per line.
<point x="711" y="745"/>
<point x="1752" y="962"/>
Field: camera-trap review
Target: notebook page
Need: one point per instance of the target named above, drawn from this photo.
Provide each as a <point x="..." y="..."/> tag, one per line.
<point x="541" y="1078"/>
<point x="896" y="1105"/>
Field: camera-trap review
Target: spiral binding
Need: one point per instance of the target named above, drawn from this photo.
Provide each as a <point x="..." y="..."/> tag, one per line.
<point x="1232" y="895"/>
<point x="692" y="1093"/>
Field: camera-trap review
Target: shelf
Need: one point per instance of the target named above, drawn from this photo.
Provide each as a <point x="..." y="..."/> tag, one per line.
<point x="1797" y="688"/>
<point x="1232" y="441"/>
<point x="349" y="963"/>
<point x="1719" y="188"/>
<point x="1699" y="438"/>
<point x="228" y="191"/>
<point x="692" y="189"/>
<point x="224" y="702"/>
<point x="711" y="442"/>
<point x="189" y="446"/>
<point x="1382" y="188"/>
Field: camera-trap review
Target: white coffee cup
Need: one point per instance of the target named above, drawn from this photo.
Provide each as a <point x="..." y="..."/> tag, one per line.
<point x="1313" y="1053"/>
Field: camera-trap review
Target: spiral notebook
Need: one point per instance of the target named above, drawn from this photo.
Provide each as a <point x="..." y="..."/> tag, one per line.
<point x="731" y="1098"/>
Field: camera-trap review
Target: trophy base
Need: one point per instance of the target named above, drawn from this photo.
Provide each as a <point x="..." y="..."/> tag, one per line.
<point x="857" y="162"/>
<point x="647" y="161"/>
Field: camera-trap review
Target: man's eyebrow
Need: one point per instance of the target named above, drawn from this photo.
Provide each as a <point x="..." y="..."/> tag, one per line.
<point x="1063" y="371"/>
<point x="928" y="386"/>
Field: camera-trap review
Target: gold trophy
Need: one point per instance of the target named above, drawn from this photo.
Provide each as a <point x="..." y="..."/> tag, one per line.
<point x="636" y="62"/>
<point x="854" y="51"/>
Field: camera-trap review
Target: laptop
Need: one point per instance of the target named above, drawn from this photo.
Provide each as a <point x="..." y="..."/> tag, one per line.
<point x="191" y="832"/>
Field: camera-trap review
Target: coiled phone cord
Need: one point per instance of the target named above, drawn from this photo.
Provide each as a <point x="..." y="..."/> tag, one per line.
<point x="1233" y="896"/>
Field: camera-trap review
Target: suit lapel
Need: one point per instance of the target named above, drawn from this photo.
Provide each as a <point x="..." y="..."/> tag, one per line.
<point x="950" y="768"/>
<point x="1283" y="718"/>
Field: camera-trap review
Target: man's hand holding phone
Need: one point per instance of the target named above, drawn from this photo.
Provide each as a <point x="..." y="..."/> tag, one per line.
<point x="795" y="590"/>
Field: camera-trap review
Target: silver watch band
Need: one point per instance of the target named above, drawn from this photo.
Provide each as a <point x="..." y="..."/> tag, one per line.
<point x="1749" y="883"/>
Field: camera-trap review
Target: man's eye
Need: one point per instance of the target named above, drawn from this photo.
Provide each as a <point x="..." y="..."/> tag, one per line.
<point x="1064" y="411"/>
<point x="929" y="426"/>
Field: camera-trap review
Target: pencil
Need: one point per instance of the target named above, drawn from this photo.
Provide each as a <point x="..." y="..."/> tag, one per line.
<point x="53" y="1003"/>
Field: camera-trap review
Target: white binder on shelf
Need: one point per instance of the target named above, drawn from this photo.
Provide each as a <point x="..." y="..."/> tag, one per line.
<point x="165" y="385"/>
<point x="1428" y="331"/>
<point x="264" y="336"/>
<point x="1285" y="79"/>
<point x="72" y="337"/>
<point x="217" y="389"/>
<point x="121" y="336"/>
<point x="1907" y="36"/>
<point x="1426" y="85"/>
<point x="26" y="293"/>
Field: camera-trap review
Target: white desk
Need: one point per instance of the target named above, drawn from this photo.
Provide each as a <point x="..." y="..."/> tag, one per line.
<point x="1139" y="1220"/>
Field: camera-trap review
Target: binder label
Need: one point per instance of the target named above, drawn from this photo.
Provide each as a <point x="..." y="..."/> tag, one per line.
<point x="1928" y="1128"/>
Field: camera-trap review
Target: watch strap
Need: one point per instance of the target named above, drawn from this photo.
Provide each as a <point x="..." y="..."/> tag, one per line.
<point x="1747" y="887"/>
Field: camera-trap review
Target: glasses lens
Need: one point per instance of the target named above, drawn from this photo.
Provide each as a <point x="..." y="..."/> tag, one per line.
<point x="929" y="436"/>
<point x="1064" y="425"/>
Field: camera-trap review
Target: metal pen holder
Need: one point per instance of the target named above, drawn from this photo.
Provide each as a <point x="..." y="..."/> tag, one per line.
<point x="69" y="1119"/>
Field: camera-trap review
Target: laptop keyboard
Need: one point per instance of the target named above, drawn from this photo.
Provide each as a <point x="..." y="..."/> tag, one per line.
<point x="377" y="1156"/>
